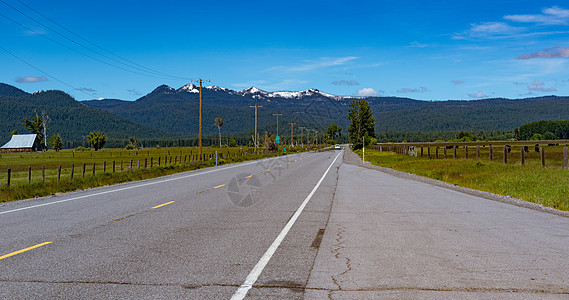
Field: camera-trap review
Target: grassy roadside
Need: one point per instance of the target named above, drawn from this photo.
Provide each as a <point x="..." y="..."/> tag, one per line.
<point x="546" y="186"/>
<point x="52" y="187"/>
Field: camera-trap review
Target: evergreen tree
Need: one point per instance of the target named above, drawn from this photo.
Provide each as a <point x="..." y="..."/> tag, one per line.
<point x="55" y="142"/>
<point x="361" y="123"/>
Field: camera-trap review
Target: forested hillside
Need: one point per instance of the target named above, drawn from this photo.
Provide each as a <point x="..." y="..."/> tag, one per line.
<point x="170" y="113"/>
<point x="71" y="119"/>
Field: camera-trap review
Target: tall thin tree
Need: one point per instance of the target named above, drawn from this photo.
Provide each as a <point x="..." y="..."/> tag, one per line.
<point x="219" y="123"/>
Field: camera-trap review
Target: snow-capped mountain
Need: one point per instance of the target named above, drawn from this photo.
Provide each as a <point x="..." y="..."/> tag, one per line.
<point x="257" y="93"/>
<point x="189" y="88"/>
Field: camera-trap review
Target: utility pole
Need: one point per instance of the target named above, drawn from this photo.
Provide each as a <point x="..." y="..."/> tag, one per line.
<point x="256" y="138"/>
<point x="291" y="134"/>
<point x="200" y="139"/>
<point x="277" y="115"/>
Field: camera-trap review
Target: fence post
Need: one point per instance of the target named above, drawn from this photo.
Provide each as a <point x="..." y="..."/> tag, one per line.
<point x="565" y="158"/>
<point x="138" y="167"/>
<point x="437" y="152"/>
<point x="84" y="170"/>
<point x="429" y="151"/>
<point x="542" y="154"/>
<point x="466" y="152"/>
<point x="104" y="166"/>
<point x="42" y="173"/>
<point x="477" y="152"/>
<point x="445" y="151"/>
<point x="121" y="166"/>
<point x="505" y="154"/>
<point x="29" y="174"/>
<point x="146" y="163"/>
<point x="72" y="169"/>
<point x="151" y="162"/>
<point x="454" y="151"/>
<point x="130" y="165"/>
<point x="93" y="169"/>
<point x="113" y="166"/>
<point x="523" y="155"/>
<point x="9" y="176"/>
<point x="59" y="173"/>
<point x="491" y="152"/>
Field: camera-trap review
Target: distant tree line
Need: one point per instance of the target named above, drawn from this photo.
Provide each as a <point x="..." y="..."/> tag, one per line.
<point x="545" y="130"/>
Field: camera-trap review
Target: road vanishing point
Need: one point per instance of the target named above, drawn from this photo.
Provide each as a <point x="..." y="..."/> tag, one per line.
<point x="313" y="225"/>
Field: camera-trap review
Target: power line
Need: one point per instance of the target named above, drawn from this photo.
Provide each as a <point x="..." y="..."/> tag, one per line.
<point x="151" y="73"/>
<point x="45" y="73"/>
<point x="88" y="41"/>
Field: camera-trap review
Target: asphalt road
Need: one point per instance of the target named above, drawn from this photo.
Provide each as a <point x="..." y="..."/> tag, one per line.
<point x="301" y="226"/>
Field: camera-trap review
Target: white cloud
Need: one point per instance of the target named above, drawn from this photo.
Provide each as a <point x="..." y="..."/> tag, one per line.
<point x="322" y="62"/>
<point x="492" y="28"/>
<point x="30" y="79"/>
<point x="550" y="16"/>
<point x="367" y="92"/>
<point x="480" y="94"/>
<point x="539" y="86"/>
<point x="416" y="44"/>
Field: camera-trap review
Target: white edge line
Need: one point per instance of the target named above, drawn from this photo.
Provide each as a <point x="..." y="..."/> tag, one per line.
<point x="140" y="185"/>
<point x="252" y="277"/>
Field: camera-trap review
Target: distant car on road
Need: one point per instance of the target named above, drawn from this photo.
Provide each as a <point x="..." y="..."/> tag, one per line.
<point x="337" y="146"/>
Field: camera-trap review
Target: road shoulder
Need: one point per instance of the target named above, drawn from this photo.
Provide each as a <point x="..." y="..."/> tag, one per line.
<point x="351" y="158"/>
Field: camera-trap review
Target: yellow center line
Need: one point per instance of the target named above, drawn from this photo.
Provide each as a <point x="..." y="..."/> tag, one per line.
<point x="163" y="204"/>
<point x="279" y="166"/>
<point x="249" y="176"/>
<point x="23" y="250"/>
<point x="267" y="170"/>
<point x="216" y="187"/>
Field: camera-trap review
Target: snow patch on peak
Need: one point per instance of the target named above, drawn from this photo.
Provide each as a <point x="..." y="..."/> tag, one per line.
<point x="190" y="88"/>
<point x="253" y="90"/>
<point x="216" y="88"/>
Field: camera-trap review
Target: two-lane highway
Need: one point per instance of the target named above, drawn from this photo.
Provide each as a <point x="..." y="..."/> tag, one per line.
<point x="192" y="235"/>
<point x="310" y="225"/>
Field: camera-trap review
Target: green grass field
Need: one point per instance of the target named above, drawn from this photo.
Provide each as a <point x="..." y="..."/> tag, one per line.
<point x="146" y="163"/>
<point x="548" y="185"/>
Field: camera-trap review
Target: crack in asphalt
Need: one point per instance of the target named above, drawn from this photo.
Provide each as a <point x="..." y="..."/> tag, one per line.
<point x="337" y="251"/>
<point x="300" y="288"/>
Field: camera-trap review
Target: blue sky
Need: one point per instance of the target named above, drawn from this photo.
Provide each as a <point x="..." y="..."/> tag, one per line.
<point x="428" y="50"/>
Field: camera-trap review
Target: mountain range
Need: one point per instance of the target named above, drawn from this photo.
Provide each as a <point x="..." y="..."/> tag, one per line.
<point x="168" y="112"/>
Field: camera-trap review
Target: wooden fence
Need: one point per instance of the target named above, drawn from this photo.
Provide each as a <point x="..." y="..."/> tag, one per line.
<point x="121" y="166"/>
<point x="512" y="152"/>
